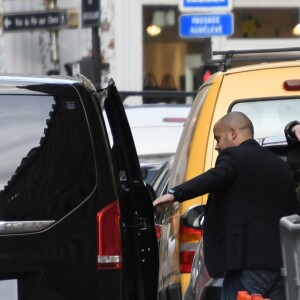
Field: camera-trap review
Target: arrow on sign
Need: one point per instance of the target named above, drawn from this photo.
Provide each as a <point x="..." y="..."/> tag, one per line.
<point x="7" y="22"/>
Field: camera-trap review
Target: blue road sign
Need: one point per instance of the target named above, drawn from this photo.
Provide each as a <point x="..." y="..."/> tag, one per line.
<point x="205" y="5"/>
<point x="205" y="25"/>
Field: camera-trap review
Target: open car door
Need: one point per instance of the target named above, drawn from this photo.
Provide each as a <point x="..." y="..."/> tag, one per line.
<point x="140" y="267"/>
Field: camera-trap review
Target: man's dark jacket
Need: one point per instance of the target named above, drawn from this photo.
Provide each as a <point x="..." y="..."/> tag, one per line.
<point x="250" y="190"/>
<point x="293" y="156"/>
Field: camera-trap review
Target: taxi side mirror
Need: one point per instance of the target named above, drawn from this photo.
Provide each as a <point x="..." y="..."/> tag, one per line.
<point x="194" y="217"/>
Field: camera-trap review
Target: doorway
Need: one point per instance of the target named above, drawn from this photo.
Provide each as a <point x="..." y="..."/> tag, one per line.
<point x="169" y="60"/>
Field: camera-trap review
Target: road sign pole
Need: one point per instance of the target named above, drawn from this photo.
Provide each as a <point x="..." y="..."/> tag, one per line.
<point x="91" y="12"/>
<point x="52" y="4"/>
<point x="96" y="54"/>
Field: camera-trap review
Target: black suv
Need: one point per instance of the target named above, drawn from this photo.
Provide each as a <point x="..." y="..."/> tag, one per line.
<point x="76" y="219"/>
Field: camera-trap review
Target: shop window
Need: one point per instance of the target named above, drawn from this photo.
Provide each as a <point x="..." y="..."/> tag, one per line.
<point x="164" y="51"/>
<point x="265" y="23"/>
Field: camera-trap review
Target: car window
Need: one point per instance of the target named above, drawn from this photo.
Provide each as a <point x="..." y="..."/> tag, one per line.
<point x="269" y="116"/>
<point x="46" y="157"/>
<point x="22" y="122"/>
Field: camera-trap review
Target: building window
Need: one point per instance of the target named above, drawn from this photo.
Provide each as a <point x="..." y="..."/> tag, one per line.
<point x="265" y="23"/>
<point x="166" y="55"/>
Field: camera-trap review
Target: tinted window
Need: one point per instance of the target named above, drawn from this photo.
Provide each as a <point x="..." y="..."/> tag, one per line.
<point x="22" y="123"/>
<point x="46" y="158"/>
<point x="269" y="117"/>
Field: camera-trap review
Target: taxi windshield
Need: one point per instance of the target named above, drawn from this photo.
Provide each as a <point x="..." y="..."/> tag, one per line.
<point x="270" y="116"/>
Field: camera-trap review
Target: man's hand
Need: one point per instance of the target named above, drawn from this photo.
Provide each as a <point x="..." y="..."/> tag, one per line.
<point x="163" y="200"/>
<point x="296" y="130"/>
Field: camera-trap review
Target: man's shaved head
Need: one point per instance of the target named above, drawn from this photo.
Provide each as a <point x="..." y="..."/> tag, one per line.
<point x="232" y="130"/>
<point x="238" y="121"/>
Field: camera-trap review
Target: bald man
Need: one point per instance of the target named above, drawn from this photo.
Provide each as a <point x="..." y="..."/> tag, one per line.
<point x="250" y="189"/>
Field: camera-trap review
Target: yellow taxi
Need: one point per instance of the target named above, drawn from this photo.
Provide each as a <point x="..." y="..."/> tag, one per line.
<point x="269" y="93"/>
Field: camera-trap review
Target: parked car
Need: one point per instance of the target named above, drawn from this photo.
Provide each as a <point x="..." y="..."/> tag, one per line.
<point x="76" y="217"/>
<point x="201" y="285"/>
<point x="156" y="172"/>
<point x="156" y="128"/>
<point x="269" y="93"/>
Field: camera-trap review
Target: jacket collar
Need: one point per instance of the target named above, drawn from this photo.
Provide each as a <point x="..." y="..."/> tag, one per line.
<point x="249" y="142"/>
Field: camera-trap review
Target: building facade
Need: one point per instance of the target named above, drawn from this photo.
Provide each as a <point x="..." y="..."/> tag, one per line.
<point x="135" y="58"/>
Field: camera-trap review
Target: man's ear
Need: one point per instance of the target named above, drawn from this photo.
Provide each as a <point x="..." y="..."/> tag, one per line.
<point x="233" y="133"/>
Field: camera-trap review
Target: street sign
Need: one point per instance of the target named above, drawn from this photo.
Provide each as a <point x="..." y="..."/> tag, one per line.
<point x="205" y="5"/>
<point x="90" y="13"/>
<point x="205" y="25"/>
<point x="50" y="20"/>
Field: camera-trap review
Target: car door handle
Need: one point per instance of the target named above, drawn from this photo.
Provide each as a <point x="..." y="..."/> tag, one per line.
<point x="143" y="224"/>
<point x="7" y="227"/>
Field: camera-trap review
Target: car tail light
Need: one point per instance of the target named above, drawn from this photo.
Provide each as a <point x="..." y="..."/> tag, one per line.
<point x="186" y="260"/>
<point x="189" y="238"/>
<point x="158" y="231"/>
<point x="292" y="85"/>
<point x="109" y="237"/>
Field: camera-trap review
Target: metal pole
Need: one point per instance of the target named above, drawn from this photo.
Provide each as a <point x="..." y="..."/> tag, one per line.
<point x="96" y="55"/>
<point x="96" y="46"/>
<point x="52" y="4"/>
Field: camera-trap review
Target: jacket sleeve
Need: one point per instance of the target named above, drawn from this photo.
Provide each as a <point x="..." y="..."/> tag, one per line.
<point x="293" y="156"/>
<point x="289" y="135"/>
<point x="213" y="179"/>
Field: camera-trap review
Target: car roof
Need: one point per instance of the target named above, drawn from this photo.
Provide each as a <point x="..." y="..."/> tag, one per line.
<point x="255" y="59"/>
<point x="253" y="67"/>
<point x="263" y="66"/>
<point x="166" y="115"/>
<point x="25" y="79"/>
<point x="156" y="129"/>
